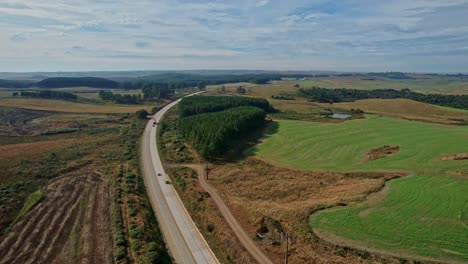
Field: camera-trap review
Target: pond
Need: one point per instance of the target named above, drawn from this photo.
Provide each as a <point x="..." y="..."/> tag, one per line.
<point x="340" y="116"/>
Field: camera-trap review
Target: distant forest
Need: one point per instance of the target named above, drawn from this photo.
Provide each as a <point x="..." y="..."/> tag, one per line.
<point x="169" y="80"/>
<point x="15" y="83"/>
<point x="324" y="95"/>
<point x="48" y="94"/>
<point x="60" y="82"/>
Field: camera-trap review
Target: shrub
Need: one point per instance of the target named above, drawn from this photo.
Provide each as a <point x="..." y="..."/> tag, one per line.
<point x="142" y="114"/>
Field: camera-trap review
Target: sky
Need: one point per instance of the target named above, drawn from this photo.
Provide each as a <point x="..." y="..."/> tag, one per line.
<point x="345" y="35"/>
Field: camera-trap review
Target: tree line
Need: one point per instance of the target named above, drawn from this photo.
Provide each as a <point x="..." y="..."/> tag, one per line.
<point x="48" y="94"/>
<point x="119" y="98"/>
<point x="324" y="95"/>
<point x="213" y="133"/>
<point x="94" y="82"/>
<point x="194" y="105"/>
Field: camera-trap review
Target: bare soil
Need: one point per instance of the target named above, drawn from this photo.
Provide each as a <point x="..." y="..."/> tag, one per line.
<point x="71" y="225"/>
<point x="459" y="156"/>
<point x="18" y="122"/>
<point x="381" y="152"/>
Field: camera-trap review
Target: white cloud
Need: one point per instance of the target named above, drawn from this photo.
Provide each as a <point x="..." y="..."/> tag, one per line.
<point x="167" y="33"/>
<point x="262" y="3"/>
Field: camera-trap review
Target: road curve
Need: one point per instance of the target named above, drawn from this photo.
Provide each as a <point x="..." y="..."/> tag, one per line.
<point x="182" y="237"/>
<point x="243" y="237"/>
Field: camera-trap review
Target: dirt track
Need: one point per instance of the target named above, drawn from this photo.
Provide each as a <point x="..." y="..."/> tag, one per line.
<point x="70" y="225"/>
<point x="243" y="237"/>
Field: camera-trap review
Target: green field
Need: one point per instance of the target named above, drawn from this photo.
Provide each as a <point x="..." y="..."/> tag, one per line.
<point x="342" y="146"/>
<point x="422" y="215"/>
<point x="450" y="85"/>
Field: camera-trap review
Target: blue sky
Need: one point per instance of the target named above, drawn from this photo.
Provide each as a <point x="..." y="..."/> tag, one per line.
<point x="346" y="35"/>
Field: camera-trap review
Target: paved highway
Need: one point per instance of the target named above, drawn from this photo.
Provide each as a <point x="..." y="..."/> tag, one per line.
<point x="182" y="237"/>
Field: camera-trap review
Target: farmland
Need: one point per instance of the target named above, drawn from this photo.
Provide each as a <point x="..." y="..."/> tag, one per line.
<point x="67" y="107"/>
<point x="70" y="188"/>
<point x="342" y="147"/>
<point x="414" y="212"/>
<point x="420" y="216"/>
<point x="423" y="84"/>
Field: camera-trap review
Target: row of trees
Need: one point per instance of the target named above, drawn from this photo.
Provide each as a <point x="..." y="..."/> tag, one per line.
<point x="324" y="95"/>
<point x="157" y="91"/>
<point x="212" y="134"/>
<point x="48" y="94"/>
<point x="119" y="98"/>
<point x="194" y="105"/>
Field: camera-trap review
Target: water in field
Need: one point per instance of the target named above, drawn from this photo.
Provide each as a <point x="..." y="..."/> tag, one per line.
<point x="340" y="116"/>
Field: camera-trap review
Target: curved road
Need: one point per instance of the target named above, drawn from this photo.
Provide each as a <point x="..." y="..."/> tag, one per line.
<point x="182" y="237"/>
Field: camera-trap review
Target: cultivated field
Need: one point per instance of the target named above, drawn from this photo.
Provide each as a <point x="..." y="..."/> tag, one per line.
<point x="420" y="215"/>
<point x="68" y="107"/>
<point x="424" y="84"/>
<point x="70" y="190"/>
<point x="408" y="109"/>
<point x="343" y="146"/>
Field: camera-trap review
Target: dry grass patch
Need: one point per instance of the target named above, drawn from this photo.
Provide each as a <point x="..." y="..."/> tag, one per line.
<point x="408" y="109"/>
<point x="459" y="156"/>
<point x="68" y="107"/>
<point x="256" y="190"/>
<point x="26" y="150"/>
<point x="382" y="152"/>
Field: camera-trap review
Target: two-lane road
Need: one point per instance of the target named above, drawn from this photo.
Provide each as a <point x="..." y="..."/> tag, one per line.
<point x="183" y="239"/>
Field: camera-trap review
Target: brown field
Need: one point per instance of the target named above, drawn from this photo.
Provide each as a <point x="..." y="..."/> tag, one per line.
<point x="256" y="190"/>
<point x="29" y="150"/>
<point x="93" y="208"/>
<point x="16" y="122"/>
<point x="71" y="225"/>
<point x="206" y="216"/>
<point x="67" y="107"/>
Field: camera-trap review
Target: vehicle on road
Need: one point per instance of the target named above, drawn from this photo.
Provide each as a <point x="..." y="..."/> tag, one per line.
<point x="168" y="182"/>
<point x="159" y="174"/>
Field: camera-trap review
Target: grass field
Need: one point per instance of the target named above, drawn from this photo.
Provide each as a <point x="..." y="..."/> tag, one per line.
<point x="444" y="85"/>
<point x="421" y="215"/>
<point x="342" y="147"/>
<point x="404" y="108"/>
<point x="68" y="107"/>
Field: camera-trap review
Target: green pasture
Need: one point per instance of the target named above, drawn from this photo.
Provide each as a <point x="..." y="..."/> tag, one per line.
<point x="443" y="85"/>
<point x="425" y="215"/>
<point x="421" y="216"/>
<point x="343" y="146"/>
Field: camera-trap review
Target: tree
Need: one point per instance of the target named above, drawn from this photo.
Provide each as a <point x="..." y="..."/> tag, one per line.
<point x="223" y="89"/>
<point x="201" y="86"/>
<point x="142" y="114"/>
<point x="241" y="90"/>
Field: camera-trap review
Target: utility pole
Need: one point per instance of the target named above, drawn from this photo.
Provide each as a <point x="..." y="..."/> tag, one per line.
<point x="287" y="248"/>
